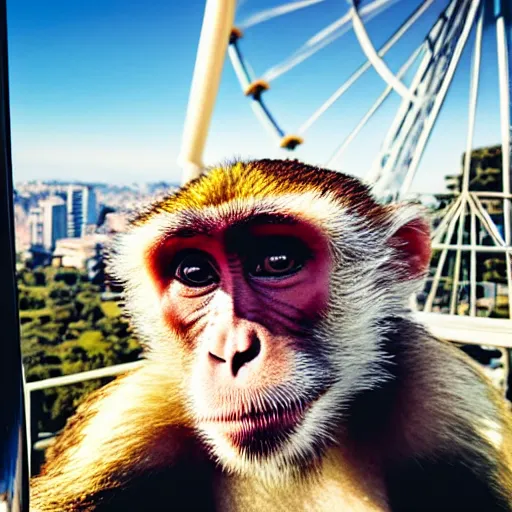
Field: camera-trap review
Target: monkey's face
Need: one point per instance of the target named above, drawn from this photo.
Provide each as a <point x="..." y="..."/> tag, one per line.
<point x="247" y="300"/>
<point x="264" y="284"/>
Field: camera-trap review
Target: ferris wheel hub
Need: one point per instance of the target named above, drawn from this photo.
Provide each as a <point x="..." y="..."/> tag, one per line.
<point x="291" y="141"/>
<point x="255" y="88"/>
<point x="235" y="35"/>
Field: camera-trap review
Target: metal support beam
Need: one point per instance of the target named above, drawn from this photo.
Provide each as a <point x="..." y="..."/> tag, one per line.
<point x="458" y="257"/>
<point x="473" y="98"/>
<point x="472" y="267"/>
<point x="390" y="166"/>
<point x="450" y="212"/>
<point x="440" y="97"/>
<point x="442" y="259"/>
<point x="217" y="24"/>
<point x="502" y="41"/>
<point x="486" y="220"/>
<point x="373" y="109"/>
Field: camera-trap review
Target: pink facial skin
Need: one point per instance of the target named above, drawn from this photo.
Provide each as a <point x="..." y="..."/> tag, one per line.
<point x="241" y="305"/>
<point x="246" y="325"/>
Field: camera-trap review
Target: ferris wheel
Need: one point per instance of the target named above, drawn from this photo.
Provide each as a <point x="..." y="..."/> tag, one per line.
<point x="435" y="61"/>
<point x="475" y="226"/>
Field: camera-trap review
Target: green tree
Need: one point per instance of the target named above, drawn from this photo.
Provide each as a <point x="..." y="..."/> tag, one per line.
<point x="65" y="329"/>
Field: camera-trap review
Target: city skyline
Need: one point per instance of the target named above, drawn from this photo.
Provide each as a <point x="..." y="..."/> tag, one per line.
<point x="99" y="90"/>
<point x="48" y="213"/>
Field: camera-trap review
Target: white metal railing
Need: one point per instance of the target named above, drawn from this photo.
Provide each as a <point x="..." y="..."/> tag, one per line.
<point x="65" y="380"/>
<point x="109" y="371"/>
<point x="494" y="332"/>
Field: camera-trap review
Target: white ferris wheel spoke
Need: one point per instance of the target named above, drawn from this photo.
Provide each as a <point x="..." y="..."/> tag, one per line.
<point x="365" y="67"/>
<point x="275" y="12"/>
<point x="504" y="47"/>
<point x="504" y="85"/>
<point x="372" y="55"/>
<point x="323" y="38"/>
<point x="380" y="100"/>
<point x="386" y="168"/>
<point x="473" y="97"/>
<point x="440" y="97"/>
<point x="408" y="147"/>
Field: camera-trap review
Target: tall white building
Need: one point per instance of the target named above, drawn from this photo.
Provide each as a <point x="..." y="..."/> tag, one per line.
<point x="35" y="222"/>
<point x="54" y="214"/>
<point x="81" y="208"/>
<point x="48" y="223"/>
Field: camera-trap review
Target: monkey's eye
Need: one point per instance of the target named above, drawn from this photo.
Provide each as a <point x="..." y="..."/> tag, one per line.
<point x="196" y="270"/>
<point x="277" y="257"/>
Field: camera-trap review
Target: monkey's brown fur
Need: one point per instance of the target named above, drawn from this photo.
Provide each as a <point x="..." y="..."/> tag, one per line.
<point x="430" y="434"/>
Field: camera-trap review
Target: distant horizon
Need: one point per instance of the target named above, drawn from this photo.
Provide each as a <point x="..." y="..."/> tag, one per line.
<point x="49" y="181"/>
<point x="91" y="183"/>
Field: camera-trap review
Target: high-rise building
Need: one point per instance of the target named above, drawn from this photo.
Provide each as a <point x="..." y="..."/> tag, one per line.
<point x="35" y="222"/>
<point x="54" y="218"/>
<point x="48" y="223"/>
<point x="81" y="207"/>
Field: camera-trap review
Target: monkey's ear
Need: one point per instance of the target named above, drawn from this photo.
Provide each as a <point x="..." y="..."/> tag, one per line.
<point x="411" y="242"/>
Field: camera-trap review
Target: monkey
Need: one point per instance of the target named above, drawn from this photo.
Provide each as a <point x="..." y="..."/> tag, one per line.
<point x="284" y="369"/>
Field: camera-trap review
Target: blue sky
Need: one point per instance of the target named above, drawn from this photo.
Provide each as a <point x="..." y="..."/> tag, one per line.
<point x="99" y="90"/>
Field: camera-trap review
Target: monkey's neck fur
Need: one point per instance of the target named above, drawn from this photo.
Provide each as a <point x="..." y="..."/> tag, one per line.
<point x="114" y="458"/>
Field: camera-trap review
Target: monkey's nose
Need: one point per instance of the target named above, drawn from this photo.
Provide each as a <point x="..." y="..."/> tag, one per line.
<point x="240" y="358"/>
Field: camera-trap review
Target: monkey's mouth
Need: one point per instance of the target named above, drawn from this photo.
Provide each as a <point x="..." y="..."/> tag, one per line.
<point x="261" y="431"/>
